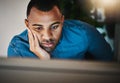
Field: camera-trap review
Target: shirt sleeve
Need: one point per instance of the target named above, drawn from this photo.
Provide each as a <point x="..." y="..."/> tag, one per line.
<point x="97" y="45"/>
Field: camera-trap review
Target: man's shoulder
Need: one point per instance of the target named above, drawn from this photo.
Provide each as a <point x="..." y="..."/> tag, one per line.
<point x="73" y="23"/>
<point x="74" y="30"/>
<point x="79" y="28"/>
<point x="76" y="24"/>
<point x="22" y="37"/>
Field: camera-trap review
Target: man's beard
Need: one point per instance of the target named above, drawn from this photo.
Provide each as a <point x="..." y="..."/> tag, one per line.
<point x="48" y="49"/>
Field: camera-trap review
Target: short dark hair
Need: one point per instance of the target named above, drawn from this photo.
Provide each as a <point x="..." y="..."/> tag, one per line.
<point x="43" y="5"/>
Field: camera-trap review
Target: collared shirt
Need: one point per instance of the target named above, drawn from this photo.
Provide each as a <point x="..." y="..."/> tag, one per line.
<point x="77" y="40"/>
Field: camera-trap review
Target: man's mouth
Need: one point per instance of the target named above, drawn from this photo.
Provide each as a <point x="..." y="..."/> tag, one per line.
<point x="48" y="45"/>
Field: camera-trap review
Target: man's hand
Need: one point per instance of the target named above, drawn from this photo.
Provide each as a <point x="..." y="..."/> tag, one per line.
<point x="35" y="48"/>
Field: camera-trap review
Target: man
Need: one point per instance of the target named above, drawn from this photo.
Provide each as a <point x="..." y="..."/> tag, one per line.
<point x="49" y="36"/>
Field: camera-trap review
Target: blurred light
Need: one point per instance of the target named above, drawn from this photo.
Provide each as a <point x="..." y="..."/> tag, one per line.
<point x="108" y="3"/>
<point x="112" y="7"/>
<point x="105" y="3"/>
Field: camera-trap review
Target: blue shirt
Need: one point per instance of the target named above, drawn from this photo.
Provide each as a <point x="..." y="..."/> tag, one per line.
<point x="77" y="39"/>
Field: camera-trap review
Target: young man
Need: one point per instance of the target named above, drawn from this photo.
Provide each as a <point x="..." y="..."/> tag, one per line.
<point x="49" y="36"/>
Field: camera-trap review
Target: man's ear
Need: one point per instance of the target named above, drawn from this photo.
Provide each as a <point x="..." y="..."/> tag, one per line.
<point x="62" y="18"/>
<point x="26" y="23"/>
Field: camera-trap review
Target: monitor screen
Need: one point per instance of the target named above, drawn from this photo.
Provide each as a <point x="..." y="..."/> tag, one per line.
<point x="14" y="70"/>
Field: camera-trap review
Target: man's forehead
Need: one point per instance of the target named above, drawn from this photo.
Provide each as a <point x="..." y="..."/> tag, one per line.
<point x="57" y="22"/>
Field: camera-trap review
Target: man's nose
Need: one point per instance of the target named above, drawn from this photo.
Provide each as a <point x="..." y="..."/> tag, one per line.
<point x="47" y="35"/>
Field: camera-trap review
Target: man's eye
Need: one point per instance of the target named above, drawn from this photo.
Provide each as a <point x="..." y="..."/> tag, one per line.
<point x="54" y="27"/>
<point x="38" y="28"/>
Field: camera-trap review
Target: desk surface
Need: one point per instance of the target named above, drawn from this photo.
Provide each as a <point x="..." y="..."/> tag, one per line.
<point x="19" y="70"/>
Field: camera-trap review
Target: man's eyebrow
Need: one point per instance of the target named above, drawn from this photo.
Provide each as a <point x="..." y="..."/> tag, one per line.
<point x="42" y="25"/>
<point x="36" y="25"/>
<point x="55" y="23"/>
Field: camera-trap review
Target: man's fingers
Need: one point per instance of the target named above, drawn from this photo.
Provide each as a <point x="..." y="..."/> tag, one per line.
<point x="36" y="42"/>
<point x="31" y="39"/>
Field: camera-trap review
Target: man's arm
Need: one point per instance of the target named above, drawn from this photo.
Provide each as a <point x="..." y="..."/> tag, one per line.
<point x="12" y="51"/>
<point x="98" y="46"/>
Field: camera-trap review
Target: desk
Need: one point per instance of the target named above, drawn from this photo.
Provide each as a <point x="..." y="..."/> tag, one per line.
<point x="22" y="70"/>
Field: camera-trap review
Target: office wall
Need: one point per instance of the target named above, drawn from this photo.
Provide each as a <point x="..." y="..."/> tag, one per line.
<point x="12" y="15"/>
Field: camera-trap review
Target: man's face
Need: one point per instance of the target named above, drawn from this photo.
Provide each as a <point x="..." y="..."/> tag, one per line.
<point x="47" y="26"/>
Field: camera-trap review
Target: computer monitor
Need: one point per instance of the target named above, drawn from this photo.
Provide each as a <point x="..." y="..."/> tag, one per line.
<point x="17" y="70"/>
